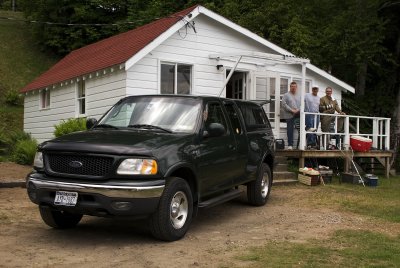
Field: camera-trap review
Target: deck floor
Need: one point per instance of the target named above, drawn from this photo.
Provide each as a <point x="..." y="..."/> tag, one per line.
<point x="345" y="154"/>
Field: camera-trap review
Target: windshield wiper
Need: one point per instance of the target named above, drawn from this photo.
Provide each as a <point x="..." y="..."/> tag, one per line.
<point x="106" y="126"/>
<point x="149" y="127"/>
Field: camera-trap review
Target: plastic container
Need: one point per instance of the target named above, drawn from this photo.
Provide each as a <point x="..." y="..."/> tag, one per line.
<point x="371" y="180"/>
<point x="360" y="144"/>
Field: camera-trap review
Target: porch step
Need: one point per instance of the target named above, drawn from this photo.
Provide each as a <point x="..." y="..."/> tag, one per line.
<point x="285" y="175"/>
<point x="281" y="167"/>
<point x="284" y="181"/>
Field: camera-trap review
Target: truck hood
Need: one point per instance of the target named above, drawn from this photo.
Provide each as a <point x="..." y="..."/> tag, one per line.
<point x="118" y="142"/>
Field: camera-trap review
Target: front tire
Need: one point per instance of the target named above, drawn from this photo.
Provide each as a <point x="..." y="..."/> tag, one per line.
<point x="59" y="219"/>
<point x="174" y="213"/>
<point x="258" y="190"/>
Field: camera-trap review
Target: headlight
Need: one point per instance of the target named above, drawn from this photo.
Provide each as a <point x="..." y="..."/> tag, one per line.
<point x="38" y="161"/>
<point x="137" y="166"/>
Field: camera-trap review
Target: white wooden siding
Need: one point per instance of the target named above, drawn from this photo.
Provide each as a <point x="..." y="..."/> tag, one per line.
<point x="192" y="48"/>
<point x="101" y="93"/>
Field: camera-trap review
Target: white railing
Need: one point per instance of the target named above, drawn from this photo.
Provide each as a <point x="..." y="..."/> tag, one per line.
<point x="378" y="129"/>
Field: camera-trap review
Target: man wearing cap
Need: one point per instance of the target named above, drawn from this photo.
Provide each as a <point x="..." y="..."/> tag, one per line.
<point x="290" y="110"/>
<point x="311" y="105"/>
<point x="328" y="105"/>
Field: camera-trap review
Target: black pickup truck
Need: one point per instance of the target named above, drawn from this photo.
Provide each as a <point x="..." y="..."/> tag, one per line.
<point x="160" y="157"/>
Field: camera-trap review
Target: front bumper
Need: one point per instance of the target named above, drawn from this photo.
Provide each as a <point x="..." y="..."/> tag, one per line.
<point x="98" y="198"/>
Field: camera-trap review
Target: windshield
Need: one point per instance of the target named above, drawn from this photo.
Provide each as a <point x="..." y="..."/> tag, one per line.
<point x="170" y="114"/>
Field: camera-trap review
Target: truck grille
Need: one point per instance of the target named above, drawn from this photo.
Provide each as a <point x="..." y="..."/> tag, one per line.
<point x="88" y="165"/>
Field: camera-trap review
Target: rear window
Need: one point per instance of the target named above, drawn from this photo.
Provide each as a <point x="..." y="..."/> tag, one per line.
<point x="254" y="117"/>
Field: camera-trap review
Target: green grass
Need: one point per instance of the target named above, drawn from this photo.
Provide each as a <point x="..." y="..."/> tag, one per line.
<point x="381" y="202"/>
<point x="21" y="60"/>
<point x="345" y="248"/>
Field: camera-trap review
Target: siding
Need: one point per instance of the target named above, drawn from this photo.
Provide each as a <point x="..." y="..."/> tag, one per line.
<point x="101" y="93"/>
<point x="192" y="48"/>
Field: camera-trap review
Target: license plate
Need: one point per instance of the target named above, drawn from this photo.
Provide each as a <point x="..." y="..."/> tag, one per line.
<point x="66" y="198"/>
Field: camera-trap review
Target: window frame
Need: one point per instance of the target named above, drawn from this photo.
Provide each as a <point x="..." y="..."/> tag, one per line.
<point x="79" y="98"/>
<point x="47" y="100"/>
<point x="175" y="64"/>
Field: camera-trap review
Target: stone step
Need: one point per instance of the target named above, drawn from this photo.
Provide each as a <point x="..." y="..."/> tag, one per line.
<point x="281" y="175"/>
<point x="284" y="181"/>
<point x="281" y="167"/>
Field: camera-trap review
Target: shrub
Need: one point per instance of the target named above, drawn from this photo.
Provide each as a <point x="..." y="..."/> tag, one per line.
<point x="12" y="97"/>
<point x="69" y="126"/>
<point x="24" y="152"/>
<point x="8" y="140"/>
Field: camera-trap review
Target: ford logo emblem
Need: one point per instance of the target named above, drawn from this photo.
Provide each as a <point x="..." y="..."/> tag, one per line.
<point x="75" y="164"/>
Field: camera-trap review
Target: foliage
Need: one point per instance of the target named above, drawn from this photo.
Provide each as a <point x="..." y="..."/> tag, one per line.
<point x="69" y="126"/>
<point x="24" y="151"/>
<point x="21" y="59"/>
<point x="12" y="97"/>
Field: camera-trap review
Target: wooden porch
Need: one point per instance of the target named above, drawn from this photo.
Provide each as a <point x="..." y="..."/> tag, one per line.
<point x="381" y="156"/>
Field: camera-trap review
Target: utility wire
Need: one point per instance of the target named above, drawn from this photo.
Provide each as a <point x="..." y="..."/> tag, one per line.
<point x="84" y="24"/>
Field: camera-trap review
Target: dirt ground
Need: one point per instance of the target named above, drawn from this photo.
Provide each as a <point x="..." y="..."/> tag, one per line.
<point x="217" y="235"/>
<point x="11" y="171"/>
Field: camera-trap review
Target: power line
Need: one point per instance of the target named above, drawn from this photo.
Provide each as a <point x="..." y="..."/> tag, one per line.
<point x="84" y="24"/>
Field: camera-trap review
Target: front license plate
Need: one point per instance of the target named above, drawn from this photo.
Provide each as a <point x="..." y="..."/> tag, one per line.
<point x="66" y="198"/>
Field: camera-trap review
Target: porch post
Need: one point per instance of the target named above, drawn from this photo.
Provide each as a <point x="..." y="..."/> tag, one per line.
<point x="387" y="133"/>
<point x="375" y="132"/>
<point x="302" y="137"/>
<point x="346" y="132"/>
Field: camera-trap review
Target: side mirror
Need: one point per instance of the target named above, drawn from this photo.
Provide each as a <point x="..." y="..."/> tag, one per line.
<point x="90" y="122"/>
<point x="214" y="130"/>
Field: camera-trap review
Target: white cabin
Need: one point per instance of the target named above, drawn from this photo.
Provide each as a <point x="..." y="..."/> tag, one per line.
<point x="190" y="52"/>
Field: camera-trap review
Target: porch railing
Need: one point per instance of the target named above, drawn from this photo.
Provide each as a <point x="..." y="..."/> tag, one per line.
<point x="375" y="128"/>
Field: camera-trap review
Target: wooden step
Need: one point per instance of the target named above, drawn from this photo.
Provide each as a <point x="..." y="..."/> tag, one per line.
<point x="282" y="175"/>
<point x="284" y="181"/>
<point x="281" y="167"/>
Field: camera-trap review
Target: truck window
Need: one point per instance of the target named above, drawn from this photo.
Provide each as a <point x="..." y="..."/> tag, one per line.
<point x="215" y="115"/>
<point x="253" y="117"/>
<point x="233" y="118"/>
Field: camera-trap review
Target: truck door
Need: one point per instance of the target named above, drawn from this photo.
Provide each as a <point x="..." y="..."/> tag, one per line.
<point x="217" y="155"/>
<point x="240" y="139"/>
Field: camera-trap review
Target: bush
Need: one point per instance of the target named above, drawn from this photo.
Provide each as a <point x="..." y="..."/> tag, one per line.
<point x="69" y="126"/>
<point x="8" y="140"/>
<point x="24" y="152"/>
<point x="12" y="97"/>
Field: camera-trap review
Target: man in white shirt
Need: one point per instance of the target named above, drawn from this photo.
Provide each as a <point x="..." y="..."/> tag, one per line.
<point x="311" y="104"/>
<point x="290" y="111"/>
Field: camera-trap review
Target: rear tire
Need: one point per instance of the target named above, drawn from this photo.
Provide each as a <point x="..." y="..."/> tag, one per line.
<point x="174" y="213"/>
<point x="59" y="219"/>
<point x="258" y="190"/>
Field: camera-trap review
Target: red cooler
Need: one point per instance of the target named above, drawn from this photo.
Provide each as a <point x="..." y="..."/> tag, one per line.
<point x="360" y="144"/>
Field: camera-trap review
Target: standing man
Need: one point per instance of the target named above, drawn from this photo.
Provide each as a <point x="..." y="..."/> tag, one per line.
<point x="311" y="104"/>
<point x="328" y="105"/>
<point x="290" y="111"/>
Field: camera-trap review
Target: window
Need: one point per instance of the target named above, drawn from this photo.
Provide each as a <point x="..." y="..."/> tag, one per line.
<point x="45" y="99"/>
<point x="254" y="117"/>
<point x="81" y="98"/>
<point x="233" y="118"/>
<point x="176" y="78"/>
<point x="215" y="115"/>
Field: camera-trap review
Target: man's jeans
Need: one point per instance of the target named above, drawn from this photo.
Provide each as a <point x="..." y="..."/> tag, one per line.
<point x="289" y="130"/>
<point x="311" y="123"/>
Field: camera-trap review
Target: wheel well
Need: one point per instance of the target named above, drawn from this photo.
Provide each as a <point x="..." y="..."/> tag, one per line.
<point x="269" y="160"/>
<point x="188" y="175"/>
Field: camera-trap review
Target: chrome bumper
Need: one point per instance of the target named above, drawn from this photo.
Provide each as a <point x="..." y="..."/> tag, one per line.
<point x="113" y="191"/>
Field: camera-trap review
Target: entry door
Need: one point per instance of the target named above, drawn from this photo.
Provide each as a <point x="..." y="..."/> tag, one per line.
<point x="238" y="85"/>
<point x="267" y="87"/>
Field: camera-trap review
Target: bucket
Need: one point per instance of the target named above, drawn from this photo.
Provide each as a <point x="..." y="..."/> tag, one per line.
<point x="371" y="180"/>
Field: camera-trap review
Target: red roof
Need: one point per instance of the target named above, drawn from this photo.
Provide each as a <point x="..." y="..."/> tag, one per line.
<point x="105" y="53"/>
